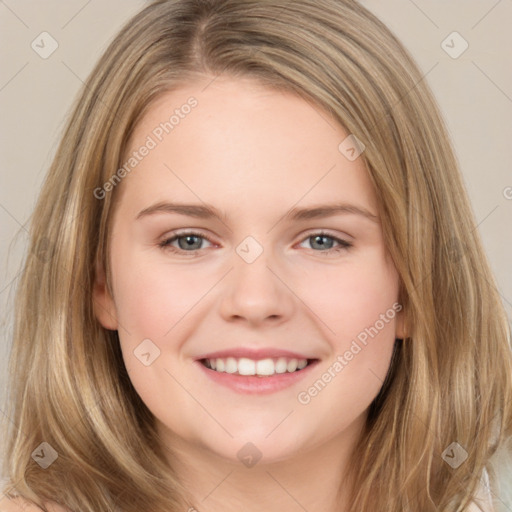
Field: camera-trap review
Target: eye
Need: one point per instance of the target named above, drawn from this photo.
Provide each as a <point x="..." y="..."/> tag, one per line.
<point x="192" y="242"/>
<point x="326" y="243"/>
<point x="187" y="242"/>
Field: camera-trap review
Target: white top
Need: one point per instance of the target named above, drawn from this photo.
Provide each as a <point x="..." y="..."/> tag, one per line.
<point x="483" y="500"/>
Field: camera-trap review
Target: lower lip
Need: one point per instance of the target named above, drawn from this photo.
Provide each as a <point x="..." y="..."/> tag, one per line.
<point x="252" y="384"/>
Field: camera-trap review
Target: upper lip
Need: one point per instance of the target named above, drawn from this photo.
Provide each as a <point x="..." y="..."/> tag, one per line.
<point x="253" y="353"/>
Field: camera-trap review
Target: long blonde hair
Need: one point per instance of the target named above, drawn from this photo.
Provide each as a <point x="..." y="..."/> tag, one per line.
<point x="451" y="377"/>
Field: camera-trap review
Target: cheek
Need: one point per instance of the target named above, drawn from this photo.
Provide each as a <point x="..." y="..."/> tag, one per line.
<point x="349" y="298"/>
<point x="357" y="305"/>
<point x="152" y="299"/>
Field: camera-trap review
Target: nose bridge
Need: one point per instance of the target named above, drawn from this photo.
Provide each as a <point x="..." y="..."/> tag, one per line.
<point x="251" y="268"/>
<point x="254" y="292"/>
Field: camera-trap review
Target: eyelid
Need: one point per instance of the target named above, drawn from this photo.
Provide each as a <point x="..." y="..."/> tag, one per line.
<point x="342" y="243"/>
<point x="179" y="233"/>
<point x="166" y="240"/>
<point x="326" y="232"/>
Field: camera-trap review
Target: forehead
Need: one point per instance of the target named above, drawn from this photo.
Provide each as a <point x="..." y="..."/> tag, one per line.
<point x="228" y="139"/>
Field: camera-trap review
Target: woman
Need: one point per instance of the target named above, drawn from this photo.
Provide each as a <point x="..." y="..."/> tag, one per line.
<point x="368" y="369"/>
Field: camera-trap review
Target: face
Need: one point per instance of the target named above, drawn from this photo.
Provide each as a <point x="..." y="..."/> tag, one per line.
<point x="245" y="240"/>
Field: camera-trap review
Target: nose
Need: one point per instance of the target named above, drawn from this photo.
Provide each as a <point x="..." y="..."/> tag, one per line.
<point x="256" y="293"/>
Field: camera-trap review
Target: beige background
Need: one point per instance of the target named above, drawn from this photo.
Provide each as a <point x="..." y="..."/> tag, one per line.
<point x="474" y="91"/>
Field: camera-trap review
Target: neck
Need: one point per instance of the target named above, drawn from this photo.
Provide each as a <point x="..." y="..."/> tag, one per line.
<point x="316" y="478"/>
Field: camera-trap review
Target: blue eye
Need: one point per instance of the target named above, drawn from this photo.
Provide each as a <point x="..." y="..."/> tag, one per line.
<point x="187" y="242"/>
<point x="325" y="242"/>
<point x="192" y="242"/>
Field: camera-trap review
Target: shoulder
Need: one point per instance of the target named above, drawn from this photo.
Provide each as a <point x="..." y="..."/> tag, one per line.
<point x="22" y="505"/>
<point x="17" y="505"/>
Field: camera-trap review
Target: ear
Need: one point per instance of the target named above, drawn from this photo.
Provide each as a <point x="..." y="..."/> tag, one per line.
<point x="103" y="302"/>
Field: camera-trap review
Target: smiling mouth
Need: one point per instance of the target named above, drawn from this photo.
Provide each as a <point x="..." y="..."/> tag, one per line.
<point x="260" y="368"/>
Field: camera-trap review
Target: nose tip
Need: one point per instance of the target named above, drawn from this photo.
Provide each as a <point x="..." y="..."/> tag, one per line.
<point x="253" y="292"/>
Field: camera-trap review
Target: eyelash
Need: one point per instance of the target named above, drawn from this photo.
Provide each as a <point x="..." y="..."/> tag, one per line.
<point x="166" y="244"/>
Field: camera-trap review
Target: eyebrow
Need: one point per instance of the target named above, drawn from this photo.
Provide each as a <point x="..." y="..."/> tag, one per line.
<point x="206" y="211"/>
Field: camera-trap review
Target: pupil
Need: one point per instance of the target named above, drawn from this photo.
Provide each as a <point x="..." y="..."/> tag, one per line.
<point x="189" y="241"/>
<point x="321" y="241"/>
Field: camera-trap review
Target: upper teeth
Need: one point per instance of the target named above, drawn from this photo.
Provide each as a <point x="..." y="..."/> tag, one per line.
<point x="245" y="366"/>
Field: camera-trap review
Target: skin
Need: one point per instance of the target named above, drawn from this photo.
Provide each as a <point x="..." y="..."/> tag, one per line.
<point x="254" y="153"/>
<point x="22" y="505"/>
